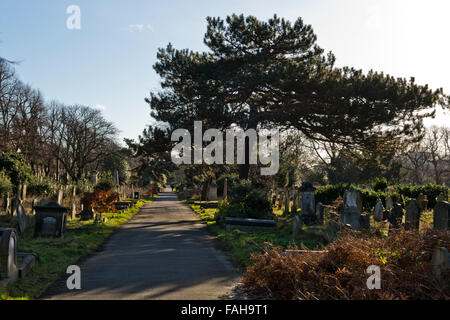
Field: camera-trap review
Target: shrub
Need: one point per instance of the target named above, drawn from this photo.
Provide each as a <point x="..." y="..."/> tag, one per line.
<point x="248" y="201"/>
<point x="340" y="272"/>
<point x="101" y="201"/>
<point x="15" y="166"/>
<point x="40" y="188"/>
<point x="5" y="183"/>
<point x="105" y="182"/>
<point x="380" y="184"/>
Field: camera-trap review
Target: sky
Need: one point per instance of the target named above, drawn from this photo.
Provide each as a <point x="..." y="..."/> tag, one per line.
<point x="107" y="63"/>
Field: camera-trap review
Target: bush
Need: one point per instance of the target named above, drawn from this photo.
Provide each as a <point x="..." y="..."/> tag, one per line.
<point x="380" y="184"/>
<point x="100" y="201"/>
<point x="5" y="183"/>
<point x="105" y="182"/>
<point x="340" y="272"/>
<point x="430" y="190"/>
<point x="15" y="166"/>
<point x="247" y="201"/>
<point x="43" y="188"/>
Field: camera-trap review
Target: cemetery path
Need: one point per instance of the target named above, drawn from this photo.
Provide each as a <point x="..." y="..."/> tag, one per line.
<point x="163" y="252"/>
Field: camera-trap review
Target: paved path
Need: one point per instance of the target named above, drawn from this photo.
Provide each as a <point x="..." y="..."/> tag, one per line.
<point x="163" y="252"/>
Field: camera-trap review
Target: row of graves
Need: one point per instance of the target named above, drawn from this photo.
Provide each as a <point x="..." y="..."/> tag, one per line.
<point x="50" y="219"/>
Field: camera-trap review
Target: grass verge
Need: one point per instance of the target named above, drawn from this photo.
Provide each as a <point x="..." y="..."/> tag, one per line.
<point x="56" y="254"/>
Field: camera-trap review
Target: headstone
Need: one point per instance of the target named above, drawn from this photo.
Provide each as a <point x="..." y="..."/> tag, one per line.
<point x="319" y="212"/>
<point x="308" y="205"/>
<point x="364" y="222"/>
<point x="441" y="197"/>
<point x="14" y="202"/>
<point x="395" y="216"/>
<point x="439" y="263"/>
<point x="22" y="218"/>
<point x="8" y="254"/>
<point x="212" y="192"/>
<point x="87" y="214"/>
<point x="412" y="215"/>
<point x="351" y="212"/>
<point x="389" y="203"/>
<point x="440" y="218"/>
<point x="296" y="226"/>
<point x="378" y="212"/>
<point x="225" y="189"/>
<point x="34" y="203"/>
<point x="94" y="177"/>
<point x="137" y="195"/>
<point x="50" y="220"/>
<point x="43" y="202"/>
<point x="422" y="201"/>
<point x="60" y="196"/>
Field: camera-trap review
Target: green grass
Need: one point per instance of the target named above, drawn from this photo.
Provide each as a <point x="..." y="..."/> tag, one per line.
<point x="241" y="244"/>
<point x="56" y="254"/>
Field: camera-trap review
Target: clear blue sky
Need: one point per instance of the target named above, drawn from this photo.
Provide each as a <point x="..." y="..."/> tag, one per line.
<point x="108" y="63"/>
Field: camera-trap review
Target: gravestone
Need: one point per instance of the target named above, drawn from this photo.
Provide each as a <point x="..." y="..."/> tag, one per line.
<point x="395" y="216"/>
<point x="412" y="215"/>
<point x="296" y="226"/>
<point x="87" y="214"/>
<point x="8" y="254"/>
<point x="441" y="197"/>
<point x="351" y="212"/>
<point x="137" y="195"/>
<point x="364" y="222"/>
<point x="212" y="191"/>
<point x="378" y="212"/>
<point x="43" y="202"/>
<point x="21" y="218"/>
<point x="440" y="218"/>
<point x="94" y="177"/>
<point x="14" y="202"/>
<point x="389" y="203"/>
<point x="308" y="204"/>
<point x="422" y="201"/>
<point x="34" y="203"/>
<point x="24" y="191"/>
<point x="439" y="263"/>
<point x="225" y="189"/>
<point x="319" y="212"/>
<point x="50" y="220"/>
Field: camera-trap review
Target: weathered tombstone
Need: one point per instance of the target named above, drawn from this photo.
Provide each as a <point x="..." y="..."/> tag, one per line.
<point x="43" y="202"/>
<point x="87" y="214"/>
<point x="73" y="212"/>
<point x="34" y="203"/>
<point x="212" y="192"/>
<point x="21" y="217"/>
<point x="439" y="263"/>
<point x="389" y="203"/>
<point x="412" y="215"/>
<point x="422" y="201"/>
<point x="395" y="216"/>
<point x="441" y="197"/>
<point x="94" y="177"/>
<point x="50" y="220"/>
<point x="378" y="212"/>
<point x="8" y="254"/>
<point x="296" y="226"/>
<point x="319" y="212"/>
<point x="351" y="212"/>
<point x="308" y="205"/>
<point x="364" y="222"/>
<point x="225" y="189"/>
<point x="60" y="196"/>
<point x="14" y="202"/>
<point x="440" y="218"/>
<point x="137" y="195"/>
